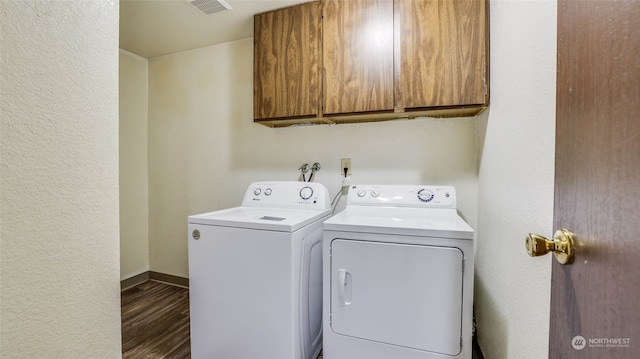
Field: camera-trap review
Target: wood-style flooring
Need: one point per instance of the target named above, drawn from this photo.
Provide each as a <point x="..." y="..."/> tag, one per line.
<point x="155" y="322"/>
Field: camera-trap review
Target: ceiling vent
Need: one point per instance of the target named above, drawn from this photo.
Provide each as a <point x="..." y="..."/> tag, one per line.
<point x="209" y="7"/>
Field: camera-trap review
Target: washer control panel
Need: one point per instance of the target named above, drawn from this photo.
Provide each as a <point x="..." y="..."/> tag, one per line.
<point x="403" y="196"/>
<point x="287" y="194"/>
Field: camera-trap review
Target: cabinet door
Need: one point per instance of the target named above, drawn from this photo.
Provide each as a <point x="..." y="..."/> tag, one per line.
<point x="440" y="53"/>
<point x="358" y="56"/>
<point x="286" y="70"/>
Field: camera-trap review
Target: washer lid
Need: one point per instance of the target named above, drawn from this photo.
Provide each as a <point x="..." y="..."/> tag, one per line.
<point x="426" y="222"/>
<point x="262" y="218"/>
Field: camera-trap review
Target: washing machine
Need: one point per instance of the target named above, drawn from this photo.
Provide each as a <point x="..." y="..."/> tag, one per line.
<point x="398" y="275"/>
<point x="255" y="274"/>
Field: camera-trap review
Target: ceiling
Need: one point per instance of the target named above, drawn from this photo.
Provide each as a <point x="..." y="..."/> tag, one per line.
<point x="152" y="28"/>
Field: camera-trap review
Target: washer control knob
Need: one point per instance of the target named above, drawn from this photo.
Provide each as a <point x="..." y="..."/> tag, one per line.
<point x="267" y="192"/>
<point x="375" y="194"/>
<point x="425" y="195"/>
<point x="361" y="193"/>
<point x="257" y="191"/>
<point x="306" y="192"/>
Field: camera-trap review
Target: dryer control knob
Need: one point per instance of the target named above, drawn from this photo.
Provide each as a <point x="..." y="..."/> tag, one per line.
<point x="306" y="192"/>
<point x="375" y="194"/>
<point x="257" y="191"/>
<point x="361" y="193"/>
<point x="267" y="192"/>
<point x="425" y="195"/>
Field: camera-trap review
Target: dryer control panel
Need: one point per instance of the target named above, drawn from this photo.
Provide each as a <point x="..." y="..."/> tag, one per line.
<point x="287" y="194"/>
<point x="403" y="196"/>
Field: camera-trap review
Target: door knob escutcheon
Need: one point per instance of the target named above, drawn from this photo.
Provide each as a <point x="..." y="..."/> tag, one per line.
<point x="561" y="246"/>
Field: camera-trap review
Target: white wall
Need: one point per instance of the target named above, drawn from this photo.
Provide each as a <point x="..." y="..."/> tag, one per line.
<point x="204" y="148"/>
<point x="134" y="179"/>
<point x="59" y="180"/>
<point x="516" y="181"/>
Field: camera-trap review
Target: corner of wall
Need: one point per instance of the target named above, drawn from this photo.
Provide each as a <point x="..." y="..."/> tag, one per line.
<point x="134" y="169"/>
<point x="516" y="140"/>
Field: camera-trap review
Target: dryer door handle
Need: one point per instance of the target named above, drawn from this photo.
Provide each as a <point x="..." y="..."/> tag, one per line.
<point x="344" y="287"/>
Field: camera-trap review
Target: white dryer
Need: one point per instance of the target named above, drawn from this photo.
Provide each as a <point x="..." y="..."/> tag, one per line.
<point x="255" y="274"/>
<point x="398" y="276"/>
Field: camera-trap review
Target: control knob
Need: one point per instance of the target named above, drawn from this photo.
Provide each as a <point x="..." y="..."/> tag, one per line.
<point x="425" y="195"/>
<point x="306" y="192"/>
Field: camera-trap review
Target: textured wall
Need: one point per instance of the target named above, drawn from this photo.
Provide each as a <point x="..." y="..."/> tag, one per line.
<point x="516" y="181"/>
<point x="204" y="148"/>
<point x="59" y="180"/>
<point x="134" y="179"/>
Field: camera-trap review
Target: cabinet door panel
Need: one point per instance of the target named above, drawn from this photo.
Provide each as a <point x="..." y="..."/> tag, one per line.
<point x="440" y="53"/>
<point x="286" y="69"/>
<point x="358" y="56"/>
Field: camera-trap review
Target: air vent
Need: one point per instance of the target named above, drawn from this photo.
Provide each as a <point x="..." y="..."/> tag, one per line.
<point x="209" y="7"/>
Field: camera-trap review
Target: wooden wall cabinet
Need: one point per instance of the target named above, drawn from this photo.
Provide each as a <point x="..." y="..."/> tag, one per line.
<point x="286" y="63"/>
<point x="381" y="60"/>
<point x="441" y="54"/>
<point x="357" y="56"/>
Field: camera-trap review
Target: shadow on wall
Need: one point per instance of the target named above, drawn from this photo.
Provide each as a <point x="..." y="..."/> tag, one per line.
<point x="483" y="122"/>
<point x="489" y="318"/>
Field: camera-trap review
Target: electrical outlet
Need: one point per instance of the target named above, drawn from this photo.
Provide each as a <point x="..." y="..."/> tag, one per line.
<point x="345" y="163"/>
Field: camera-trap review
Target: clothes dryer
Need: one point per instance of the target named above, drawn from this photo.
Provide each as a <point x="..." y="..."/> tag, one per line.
<point x="398" y="275"/>
<point x="255" y="274"/>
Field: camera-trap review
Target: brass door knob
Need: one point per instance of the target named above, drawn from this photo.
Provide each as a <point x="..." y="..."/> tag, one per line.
<point x="561" y="245"/>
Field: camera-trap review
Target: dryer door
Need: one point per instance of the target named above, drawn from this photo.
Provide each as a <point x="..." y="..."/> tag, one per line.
<point x="399" y="294"/>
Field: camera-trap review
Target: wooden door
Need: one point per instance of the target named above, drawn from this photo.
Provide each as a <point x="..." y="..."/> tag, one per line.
<point x="358" y="56"/>
<point x="286" y="62"/>
<point x="595" y="302"/>
<point x="441" y="53"/>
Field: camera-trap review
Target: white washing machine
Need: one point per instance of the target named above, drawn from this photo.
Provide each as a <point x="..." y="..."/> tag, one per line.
<point x="398" y="276"/>
<point x="255" y="274"/>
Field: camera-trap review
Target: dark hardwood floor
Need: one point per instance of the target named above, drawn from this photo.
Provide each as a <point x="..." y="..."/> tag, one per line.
<point x="155" y="322"/>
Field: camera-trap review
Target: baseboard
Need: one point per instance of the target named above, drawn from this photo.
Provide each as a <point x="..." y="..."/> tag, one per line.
<point x="169" y="279"/>
<point x="154" y="276"/>
<point x="134" y="281"/>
